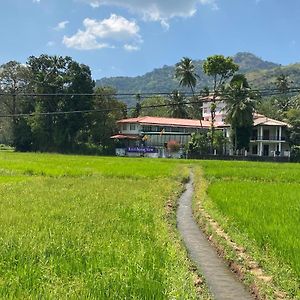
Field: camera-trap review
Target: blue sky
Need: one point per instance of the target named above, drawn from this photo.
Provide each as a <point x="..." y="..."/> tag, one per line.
<point x="132" y="37"/>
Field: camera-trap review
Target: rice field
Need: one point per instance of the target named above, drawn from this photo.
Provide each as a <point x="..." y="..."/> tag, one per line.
<point x="258" y="204"/>
<point x="74" y="227"/>
<point x="80" y="227"/>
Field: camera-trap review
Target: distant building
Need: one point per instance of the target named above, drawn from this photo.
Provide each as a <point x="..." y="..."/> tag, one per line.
<point x="148" y="136"/>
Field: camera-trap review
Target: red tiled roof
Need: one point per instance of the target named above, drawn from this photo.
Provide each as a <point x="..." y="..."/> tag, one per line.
<point x="173" y="122"/>
<point x="259" y="119"/>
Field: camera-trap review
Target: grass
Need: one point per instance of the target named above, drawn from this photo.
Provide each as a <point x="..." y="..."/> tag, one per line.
<point x="75" y="227"/>
<point x="258" y="205"/>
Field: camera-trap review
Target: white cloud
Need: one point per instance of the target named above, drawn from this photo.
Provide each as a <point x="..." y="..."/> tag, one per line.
<point x="99" y="34"/>
<point x="157" y="10"/>
<point x="61" y="25"/>
<point x="131" y="48"/>
<point x="36" y="1"/>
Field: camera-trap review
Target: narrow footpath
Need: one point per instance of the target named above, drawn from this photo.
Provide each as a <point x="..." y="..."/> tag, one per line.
<point x="222" y="282"/>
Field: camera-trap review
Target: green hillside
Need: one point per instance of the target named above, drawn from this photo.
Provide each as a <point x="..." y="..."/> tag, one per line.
<point x="260" y="73"/>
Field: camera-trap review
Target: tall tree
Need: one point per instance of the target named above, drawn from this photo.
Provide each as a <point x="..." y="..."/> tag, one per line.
<point x="108" y="110"/>
<point x="177" y="105"/>
<point x="240" y="105"/>
<point x="155" y="106"/>
<point x="185" y="73"/>
<point x="52" y="77"/>
<point x="138" y="107"/>
<point x="14" y="79"/>
<point x="220" y="68"/>
<point x="283" y="102"/>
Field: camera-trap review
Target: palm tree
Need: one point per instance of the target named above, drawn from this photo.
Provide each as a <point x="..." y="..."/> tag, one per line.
<point x="283" y="85"/>
<point x="177" y="106"/>
<point x="185" y="73"/>
<point x="240" y="105"/>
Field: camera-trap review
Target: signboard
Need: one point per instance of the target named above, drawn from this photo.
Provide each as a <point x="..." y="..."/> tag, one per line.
<point x="141" y="150"/>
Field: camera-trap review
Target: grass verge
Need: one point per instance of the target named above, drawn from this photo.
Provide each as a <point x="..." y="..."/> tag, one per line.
<point x="253" y="223"/>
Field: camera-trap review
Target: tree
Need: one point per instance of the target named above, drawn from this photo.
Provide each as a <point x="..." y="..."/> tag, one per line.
<point x="177" y="106"/>
<point x="283" y="85"/>
<point x="199" y="144"/>
<point x="58" y="77"/>
<point x="185" y="73"/>
<point x="155" y="106"/>
<point x="108" y="110"/>
<point x="220" y="68"/>
<point x="240" y="105"/>
<point x="138" y="107"/>
<point x="293" y="118"/>
<point x="14" y="79"/>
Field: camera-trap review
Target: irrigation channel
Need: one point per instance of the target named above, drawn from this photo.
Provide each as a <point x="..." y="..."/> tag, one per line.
<point x="222" y="282"/>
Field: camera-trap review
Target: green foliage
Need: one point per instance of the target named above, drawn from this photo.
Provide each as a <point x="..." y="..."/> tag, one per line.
<point x="198" y="144"/>
<point x="159" y="111"/>
<point x="220" y="68"/>
<point x="103" y="123"/>
<point x="52" y="75"/>
<point x="177" y="108"/>
<point x="185" y="73"/>
<point x="138" y="107"/>
<point x="240" y="106"/>
<point x="293" y="118"/>
<point x="163" y="79"/>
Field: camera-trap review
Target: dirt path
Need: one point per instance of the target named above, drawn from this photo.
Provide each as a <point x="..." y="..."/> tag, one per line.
<point x="221" y="281"/>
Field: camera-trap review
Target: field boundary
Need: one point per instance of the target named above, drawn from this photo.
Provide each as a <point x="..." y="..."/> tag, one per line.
<point x="236" y="257"/>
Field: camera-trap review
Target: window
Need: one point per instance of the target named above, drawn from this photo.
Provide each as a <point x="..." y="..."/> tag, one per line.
<point x="124" y="126"/>
<point x="132" y="126"/>
<point x="254" y="149"/>
<point x="266" y="134"/>
<point x="254" y="134"/>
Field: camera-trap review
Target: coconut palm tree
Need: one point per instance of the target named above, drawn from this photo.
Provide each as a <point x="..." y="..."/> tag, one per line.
<point x="240" y="105"/>
<point x="185" y="73"/>
<point x="177" y="106"/>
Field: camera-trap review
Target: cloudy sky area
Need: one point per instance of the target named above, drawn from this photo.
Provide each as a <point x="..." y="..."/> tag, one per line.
<point x="131" y="37"/>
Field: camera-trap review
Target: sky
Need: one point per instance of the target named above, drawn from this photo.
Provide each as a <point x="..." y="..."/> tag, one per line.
<point x="132" y="37"/>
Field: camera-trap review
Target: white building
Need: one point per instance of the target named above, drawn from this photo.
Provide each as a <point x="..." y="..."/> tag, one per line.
<point x="148" y="136"/>
<point x="269" y="136"/>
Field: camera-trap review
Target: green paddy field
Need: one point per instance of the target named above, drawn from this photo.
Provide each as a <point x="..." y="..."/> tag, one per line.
<point x="77" y="227"/>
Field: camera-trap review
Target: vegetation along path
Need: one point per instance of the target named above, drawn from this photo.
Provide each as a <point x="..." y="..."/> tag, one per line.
<point x="222" y="282"/>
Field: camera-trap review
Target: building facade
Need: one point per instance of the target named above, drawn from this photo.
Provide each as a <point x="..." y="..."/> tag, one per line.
<point x="149" y="136"/>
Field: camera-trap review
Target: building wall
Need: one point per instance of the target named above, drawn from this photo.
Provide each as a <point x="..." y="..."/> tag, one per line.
<point x="220" y="111"/>
<point x="133" y="128"/>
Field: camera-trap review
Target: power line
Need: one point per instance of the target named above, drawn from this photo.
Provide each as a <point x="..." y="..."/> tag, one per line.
<point x="199" y="101"/>
<point x="262" y="90"/>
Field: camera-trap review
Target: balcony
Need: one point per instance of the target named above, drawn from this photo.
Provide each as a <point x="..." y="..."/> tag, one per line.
<point x="268" y="138"/>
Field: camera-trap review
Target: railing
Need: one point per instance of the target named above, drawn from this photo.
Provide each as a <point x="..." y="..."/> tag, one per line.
<point x="268" y="138"/>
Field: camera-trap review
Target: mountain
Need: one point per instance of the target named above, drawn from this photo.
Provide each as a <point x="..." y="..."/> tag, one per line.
<point x="260" y="73"/>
